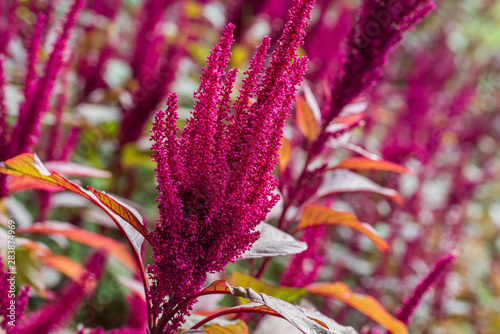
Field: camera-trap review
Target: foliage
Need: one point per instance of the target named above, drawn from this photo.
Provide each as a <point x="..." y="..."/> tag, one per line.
<point x="338" y="199"/>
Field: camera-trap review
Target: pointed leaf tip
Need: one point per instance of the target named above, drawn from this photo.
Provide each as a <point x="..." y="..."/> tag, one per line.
<point x="365" y="304"/>
<point x="360" y="163"/>
<point x="315" y="215"/>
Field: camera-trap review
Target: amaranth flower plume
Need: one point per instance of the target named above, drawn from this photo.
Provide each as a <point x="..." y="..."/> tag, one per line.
<point x="54" y="315"/>
<point x="215" y="181"/>
<point x="379" y="28"/>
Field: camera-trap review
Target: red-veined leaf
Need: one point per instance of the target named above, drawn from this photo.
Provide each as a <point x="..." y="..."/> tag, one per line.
<point x="29" y="165"/>
<point x="121" y="209"/>
<point x="365" y="304"/>
<point x="20" y="183"/>
<point x="306" y="120"/>
<point x="343" y="181"/>
<point x="85" y="237"/>
<point x="269" y="305"/>
<point x="365" y="163"/>
<point x="315" y="215"/>
<point x="219" y="286"/>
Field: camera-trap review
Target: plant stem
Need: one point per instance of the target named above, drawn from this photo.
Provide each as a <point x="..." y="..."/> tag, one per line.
<point x="232" y="311"/>
<point x="286" y="206"/>
<point x="165" y="318"/>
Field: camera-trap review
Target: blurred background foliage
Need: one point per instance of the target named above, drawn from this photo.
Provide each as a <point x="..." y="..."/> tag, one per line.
<point x="452" y="202"/>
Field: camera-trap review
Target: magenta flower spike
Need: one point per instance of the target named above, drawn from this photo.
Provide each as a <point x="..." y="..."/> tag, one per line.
<point x="379" y="28"/>
<point x="53" y="316"/>
<point x="154" y="65"/>
<point x="4" y="128"/>
<point x="305" y="267"/>
<point x="8" y="26"/>
<point x="215" y="181"/>
<point x="32" y="60"/>
<point x="410" y="304"/>
<point x="31" y="112"/>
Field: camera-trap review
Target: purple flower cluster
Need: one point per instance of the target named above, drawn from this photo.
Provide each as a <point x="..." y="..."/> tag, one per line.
<point x="154" y="65"/>
<point x="215" y="181"/>
<point x="7" y="301"/>
<point x="38" y="90"/>
<point x="54" y="315"/>
<point x="379" y="28"/>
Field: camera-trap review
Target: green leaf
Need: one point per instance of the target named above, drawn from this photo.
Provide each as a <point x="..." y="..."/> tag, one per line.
<point x="284" y="293"/>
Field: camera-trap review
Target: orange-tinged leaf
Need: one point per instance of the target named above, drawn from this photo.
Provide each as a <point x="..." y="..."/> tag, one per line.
<point x="220" y="286"/>
<point x="240" y="327"/>
<point x="365" y="304"/>
<point x="350" y="120"/>
<point x="365" y="163"/>
<point x="315" y="215"/>
<point x="345" y="181"/>
<point x="285" y="154"/>
<point x="265" y="304"/>
<point x="65" y="265"/>
<point x="29" y="165"/>
<point x="20" y="183"/>
<point x="61" y="263"/>
<point x="85" y="237"/>
<point x="306" y="119"/>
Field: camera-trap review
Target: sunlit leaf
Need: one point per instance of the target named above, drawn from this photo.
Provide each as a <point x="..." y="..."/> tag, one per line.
<point x="64" y="264"/>
<point x="121" y="209"/>
<point x="273" y="242"/>
<point x="315" y="215"/>
<point x="343" y="181"/>
<point x="219" y="286"/>
<point x="293" y="314"/>
<point x="265" y="304"/>
<point x="311" y="100"/>
<point x="240" y="327"/>
<point x="365" y="304"/>
<point x="350" y="120"/>
<point x="28" y="271"/>
<point x="365" y="163"/>
<point x="20" y="183"/>
<point x="29" y="165"/>
<point x="285" y="154"/>
<point x="85" y="237"/>
<point x="67" y="168"/>
<point x="306" y="119"/>
<point x="284" y="293"/>
<point x="134" y="157"/>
